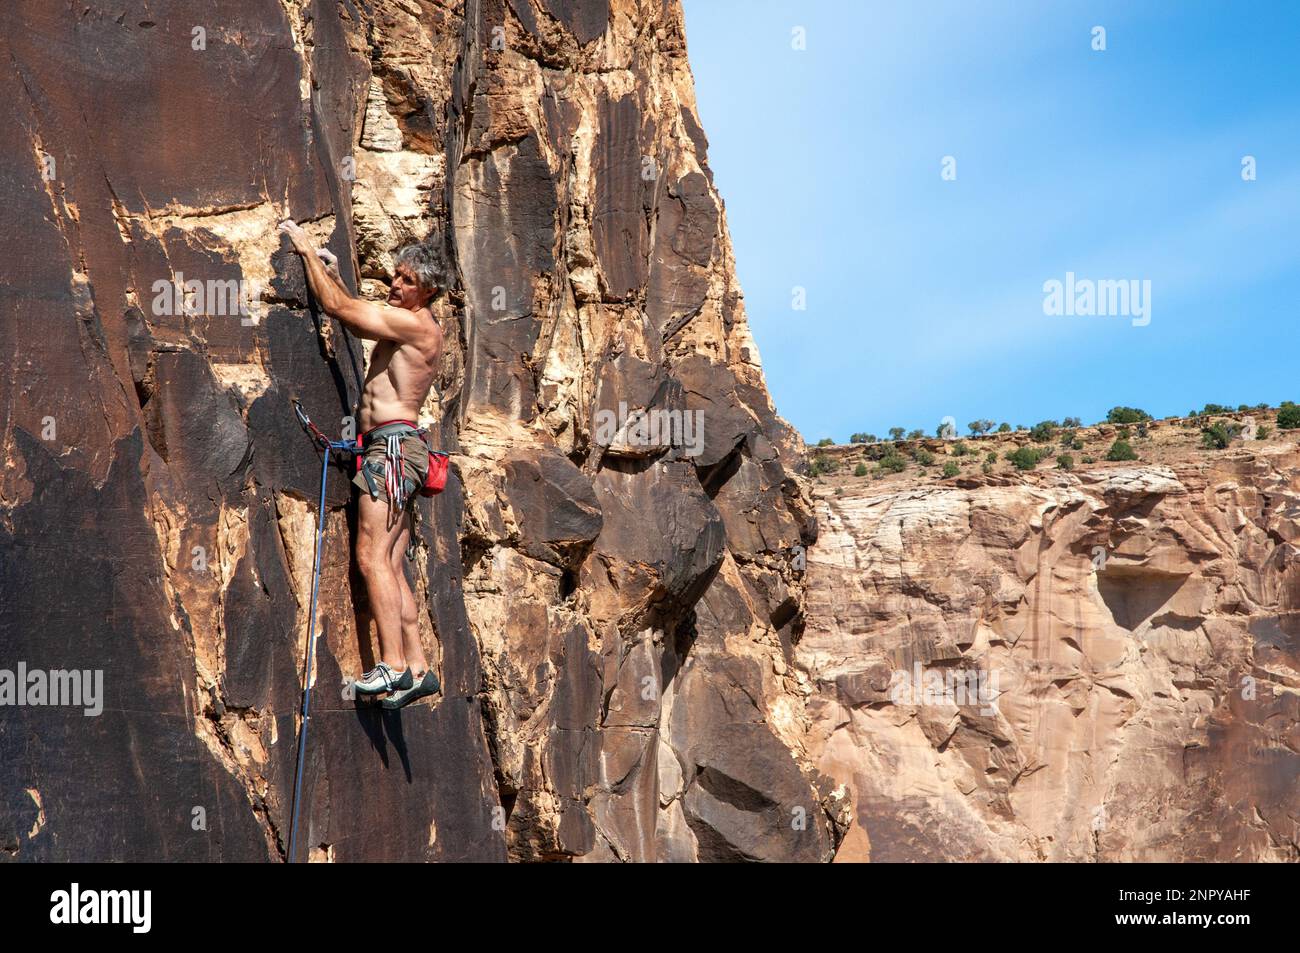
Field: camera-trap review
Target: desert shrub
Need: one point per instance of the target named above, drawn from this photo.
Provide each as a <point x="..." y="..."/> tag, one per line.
<point x="992" y="457"/>
<point x="1215" y="436"/>
<point x="950" y="469"/>
<point x="1211" y="409"/>
<point x="1071" y="423"/>
<point x="916" y="435"/>
<point x="924" y="457"/>
<point x="1263" y="432"/>
<point x="1121" y="450"/>
<point x="959" y="449"/>
<point x="1025" y="458"/>
<point x="1126" y="415"/>
<point x="892" y="462"/>
<point x="820" y="464"/>
<point x="1087" y="460"/>
<point x="860" y="470"/>
<point x="987" y="468"/>
<point x="863" y="438"/>
<point x="1065" y="461"/>
<point x="1004" y="428"/>
<point x="896" y="433"/>
<point x="825" y="442"/>
<point x="1288" y="416"/>
<point x="1219" y="434"/>
<point x="1043" y="431"/>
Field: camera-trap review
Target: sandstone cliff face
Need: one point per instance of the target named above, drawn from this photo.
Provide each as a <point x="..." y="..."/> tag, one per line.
<point x="1137" y="628"/>
<point x="613" y="616"/>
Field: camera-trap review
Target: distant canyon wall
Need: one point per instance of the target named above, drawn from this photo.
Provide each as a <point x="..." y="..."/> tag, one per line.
<point x="1128" y="641"/>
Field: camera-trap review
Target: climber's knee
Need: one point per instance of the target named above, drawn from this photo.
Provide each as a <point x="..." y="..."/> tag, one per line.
<point x="372" y="557"/>
<point x="365" y="559"/>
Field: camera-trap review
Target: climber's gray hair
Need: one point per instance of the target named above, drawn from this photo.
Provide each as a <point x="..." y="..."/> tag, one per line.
<point x="425" y="262"/>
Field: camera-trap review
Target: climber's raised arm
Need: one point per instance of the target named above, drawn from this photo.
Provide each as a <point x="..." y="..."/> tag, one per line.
<point x="366" y="319"/>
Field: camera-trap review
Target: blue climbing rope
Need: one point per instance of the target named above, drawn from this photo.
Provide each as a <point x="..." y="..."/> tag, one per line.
<point x="342" y="447"/>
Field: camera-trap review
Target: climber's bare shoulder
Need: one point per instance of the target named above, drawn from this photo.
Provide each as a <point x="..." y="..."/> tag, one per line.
<point x="412" y="362"/>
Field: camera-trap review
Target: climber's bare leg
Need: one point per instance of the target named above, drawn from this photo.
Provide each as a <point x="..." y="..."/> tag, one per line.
<point x="410" y="613"/>
<point x="376" y="536"/>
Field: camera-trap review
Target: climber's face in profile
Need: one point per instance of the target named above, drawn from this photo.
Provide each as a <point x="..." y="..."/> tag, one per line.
<point x="406" y="291"/>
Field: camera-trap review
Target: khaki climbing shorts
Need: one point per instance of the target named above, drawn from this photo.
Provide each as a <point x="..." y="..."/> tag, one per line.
<point x="373" y="461"/>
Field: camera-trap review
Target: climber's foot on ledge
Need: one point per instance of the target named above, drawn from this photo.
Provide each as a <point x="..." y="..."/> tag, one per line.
<point x="428" y="685"/>
<point x="382" y="679"/>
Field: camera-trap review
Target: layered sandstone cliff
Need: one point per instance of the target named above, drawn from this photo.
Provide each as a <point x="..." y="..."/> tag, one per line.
<point x="613" y="615"/>
<point x="1126" y="638"/>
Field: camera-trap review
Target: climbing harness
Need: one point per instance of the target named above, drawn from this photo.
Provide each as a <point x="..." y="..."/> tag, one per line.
<point x="328" y="446"/>
<point x="393" y="432"/>
<point x="397" y="486"/>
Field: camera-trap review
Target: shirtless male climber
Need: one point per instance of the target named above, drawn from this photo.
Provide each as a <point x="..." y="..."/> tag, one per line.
<point x="395" y="457"/>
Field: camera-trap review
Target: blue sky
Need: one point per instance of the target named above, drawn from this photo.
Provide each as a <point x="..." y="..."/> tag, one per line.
<point x="925" y="296"/>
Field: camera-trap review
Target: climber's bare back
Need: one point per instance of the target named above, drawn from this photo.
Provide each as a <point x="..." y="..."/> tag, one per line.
<point x="399" y="376"/>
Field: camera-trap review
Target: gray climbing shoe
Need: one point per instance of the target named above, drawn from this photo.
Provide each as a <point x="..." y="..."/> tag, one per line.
<point x="382" y="679"/>
<point x="428" y="685"/>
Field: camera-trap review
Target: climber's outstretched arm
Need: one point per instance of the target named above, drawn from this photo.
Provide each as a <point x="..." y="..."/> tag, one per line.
<point x="366" y="319"/>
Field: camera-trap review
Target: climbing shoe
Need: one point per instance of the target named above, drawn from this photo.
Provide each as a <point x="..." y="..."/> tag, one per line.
<point x="426" y="686"/>
<point x="382" y="679"/>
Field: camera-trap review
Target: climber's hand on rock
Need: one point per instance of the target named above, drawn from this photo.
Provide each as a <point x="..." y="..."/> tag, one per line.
<point x="331" y="261"/>
<point x="301" y="240"/>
